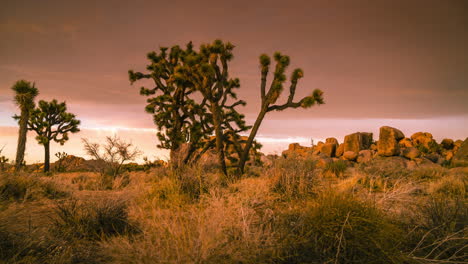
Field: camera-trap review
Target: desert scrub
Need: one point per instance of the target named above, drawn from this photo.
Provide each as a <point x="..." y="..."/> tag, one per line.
<point x="336" y="168"/>
<point x="337" y="228"/>
<point x="450" y="186"/>
<point x="92" y="220"/>
<point x="388" y="167"/>
<point x="27" y="187"/>
<point x="428" y="174"/>
<point x="293" y="177"/>
<point x="440" y="233"/>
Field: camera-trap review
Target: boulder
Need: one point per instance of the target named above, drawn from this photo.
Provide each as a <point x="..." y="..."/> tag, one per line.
<point x="331" y="140"/>
<point x="350" y="155"/>
<point x="365" y="156"/>
<point x="447" y="143"/>
<point x="461" y="156"/>
<point x="405" y="143"/>
<point x="297" y="150"/>
<point x="357" y="141"/>
<point x="388" y="141"/>
<point x="449" y="155"/>
<point x="340" y="150"/>
<point x="373" y="147"/>
<point x="425" y="140"/>
<point x="434" y="157"/>
<point x="328" y="149"/>
<point x="411" y="153"/>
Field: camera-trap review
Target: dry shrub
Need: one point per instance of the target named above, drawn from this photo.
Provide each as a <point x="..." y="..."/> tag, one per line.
<point x="337" y="228"/>
<point x="92" y="220"/>
<point x="232" y="227"/>
<point x="293" y="177"/>
<point x="336" y="168"/>
<point x="427" y="174"/>
<point x="386" y="167"/>
<point x="450" y="186"/>
<point x="22" y="187"/>
<point x="440" y="234"/>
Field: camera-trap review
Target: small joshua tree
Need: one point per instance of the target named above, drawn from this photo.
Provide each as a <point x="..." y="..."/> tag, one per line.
<point x="61" y="156"/>
<point x="270" y="97"/>
<point x="3" y="160"/>
<point x="52" y="122"/>
<point x="25" y="92"/>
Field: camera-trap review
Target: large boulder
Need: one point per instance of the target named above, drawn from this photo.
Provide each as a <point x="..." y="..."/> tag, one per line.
<point x="424" y="141"/>
<point x="340" y="150"/>
<point x="411" y="153"/>
<point x="332" y="141"/>
<point x="350" y="155"/>
<point x="461" y="156"/>
<point x="357" y="141"/>
<point x="388" y="141"/>
<point x="328" y="149"/>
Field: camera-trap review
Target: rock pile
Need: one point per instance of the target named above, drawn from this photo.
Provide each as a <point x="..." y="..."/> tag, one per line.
<point x="419" y="149"/>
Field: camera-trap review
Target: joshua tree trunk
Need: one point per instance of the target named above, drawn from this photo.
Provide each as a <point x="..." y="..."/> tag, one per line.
<point x="248" y="144"/>
<point x="219" y="137"/>
<point x="47" y="157"/>
<point x="23" y="130"/>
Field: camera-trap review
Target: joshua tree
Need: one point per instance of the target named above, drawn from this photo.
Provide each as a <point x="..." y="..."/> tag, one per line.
<point x="179" y="118"/>
<point x="61" y="156"/>
<point x="24" y="99"/>
<point x="207" y="72"/>
<point x="270" y="97"/>
<point x="3" y="160"/>
<point x="52" y="122"/>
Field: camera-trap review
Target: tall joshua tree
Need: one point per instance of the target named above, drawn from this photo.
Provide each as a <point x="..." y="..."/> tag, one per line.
<point x="179" y="118"/>
<point x="270" y="97"/>
<point x="52" y="122"/>
<point x="207" y="72"/>
<point x="25" y="92"/>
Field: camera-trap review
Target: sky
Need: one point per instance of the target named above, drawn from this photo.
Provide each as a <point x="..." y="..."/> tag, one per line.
<point x="397" y="63"/>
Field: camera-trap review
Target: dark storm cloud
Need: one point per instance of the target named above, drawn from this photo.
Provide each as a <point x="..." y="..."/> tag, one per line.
<point x="373" y="59"/>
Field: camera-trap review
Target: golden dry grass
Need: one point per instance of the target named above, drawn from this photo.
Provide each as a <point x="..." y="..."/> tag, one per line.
<point x="292" y="212"/>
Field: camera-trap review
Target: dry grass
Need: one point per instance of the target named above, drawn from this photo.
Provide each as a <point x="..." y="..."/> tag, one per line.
<point x="288" y="213"/>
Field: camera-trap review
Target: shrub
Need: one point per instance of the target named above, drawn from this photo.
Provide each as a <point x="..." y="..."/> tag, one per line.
<point x="27" y="187"/>
<point x="293" y="177"/>
<point x="92" y="220"/>
<point x="440" y="235"/>
<point x="337" y="168"/>
<point x="340" y="229"/>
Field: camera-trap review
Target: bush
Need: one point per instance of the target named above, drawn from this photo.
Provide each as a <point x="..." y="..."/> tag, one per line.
<point x="337" y="168"/>
<point x="293" y="177"/>
<point x="92" y="220"/>
<point x="340" y="229"/>
<point x="27" y="187"/>
<point x="441" y="231"/>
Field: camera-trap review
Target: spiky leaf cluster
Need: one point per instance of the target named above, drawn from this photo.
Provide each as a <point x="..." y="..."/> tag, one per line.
<point x="52" y="122"/>
<point x="207" y="71"/>
<point x="25" y="92"/>
<point x="178" y="117"/>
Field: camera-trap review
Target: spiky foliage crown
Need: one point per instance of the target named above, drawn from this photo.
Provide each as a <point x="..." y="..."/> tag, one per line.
<point x="25" y="92"/>
<point x="52" y="122"/>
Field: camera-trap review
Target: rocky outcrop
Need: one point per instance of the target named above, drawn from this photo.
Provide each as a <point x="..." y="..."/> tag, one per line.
<point x="357" y="141"/>
<point x="295" y="149"/>
<point x="328" y="149"/>
<point x="388" y="141"/>
<point x="340" y="150"/>
<point x="405" y="143"/>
